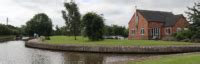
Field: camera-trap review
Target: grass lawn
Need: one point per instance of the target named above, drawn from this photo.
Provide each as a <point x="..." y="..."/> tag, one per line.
<point x="109" y="42"/>
<point x="191" y="58"/>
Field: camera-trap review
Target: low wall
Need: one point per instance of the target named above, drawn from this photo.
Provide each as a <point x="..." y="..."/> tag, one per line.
<point x="116" y="49"/>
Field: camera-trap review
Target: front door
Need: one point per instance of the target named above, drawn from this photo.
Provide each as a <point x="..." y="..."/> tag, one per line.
<point x="155" y="33"/>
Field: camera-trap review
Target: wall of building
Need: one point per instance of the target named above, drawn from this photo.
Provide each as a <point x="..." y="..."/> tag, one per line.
<point x="147" y="25"/>
<point x="156" y="24"/>
<point x="141" y="24"/>
<point x="131" y="26"/>
<point x="181" y="23"/>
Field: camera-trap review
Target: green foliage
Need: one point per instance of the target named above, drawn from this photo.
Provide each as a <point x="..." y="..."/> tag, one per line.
<point x="22" y="30"/>
<point x="94" y="26"/>
<point x="72" y="18"/>
<point x="115" y="30"/>
<point x="4" y="30"/>
<point x="62" y="31"/>
<point x="185" y="34"/>
<point x="40" y="24"/>
<point x="194" y="16"/>
<point x="193" y="34"/>
<point x="57" y="31"/>
<point x="8" y="30"/>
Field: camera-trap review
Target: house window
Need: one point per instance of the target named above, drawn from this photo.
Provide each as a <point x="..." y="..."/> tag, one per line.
<point x="178" y="29"/>
<point x="142" y="31"/>
<point x="168" y="31"/>
<point x="155" y="33"/>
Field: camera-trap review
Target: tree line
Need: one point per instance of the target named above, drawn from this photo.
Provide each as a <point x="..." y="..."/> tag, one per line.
<point x="90" y="25"/>
<point x="115" y="30"/>
<point x="9" y="30"/>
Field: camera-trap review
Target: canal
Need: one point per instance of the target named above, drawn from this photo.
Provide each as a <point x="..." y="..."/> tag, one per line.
<point x="15" y="52"/>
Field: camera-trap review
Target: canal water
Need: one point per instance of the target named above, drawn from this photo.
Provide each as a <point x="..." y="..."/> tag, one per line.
<point x="15" y="52"/>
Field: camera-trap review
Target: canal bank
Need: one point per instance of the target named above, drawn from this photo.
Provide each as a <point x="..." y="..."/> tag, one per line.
<point x="15" y="52"/>
<point x="6" y="38"/>
<point x="36" y="43"/>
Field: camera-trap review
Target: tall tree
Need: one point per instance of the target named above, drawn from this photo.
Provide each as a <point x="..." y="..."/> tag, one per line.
<point x="40" y="24"/>
<point x="72" y="18"/>
<point x="194" y="16"/>
<point x="94" y="26"/>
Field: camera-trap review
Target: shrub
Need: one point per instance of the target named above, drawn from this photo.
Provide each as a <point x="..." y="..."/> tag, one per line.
<point x="186" y="34"/>
<point x="196" y="38"/>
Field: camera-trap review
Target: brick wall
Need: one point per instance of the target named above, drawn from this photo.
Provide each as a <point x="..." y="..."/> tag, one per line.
<point x="147" y="25"/>
<point x="181" y="23"/>
<point x="141" y="24"/>
<point x="156" y="24"/>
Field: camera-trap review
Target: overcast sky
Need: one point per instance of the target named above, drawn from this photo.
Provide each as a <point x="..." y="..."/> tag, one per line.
<point x="114" y="11"/>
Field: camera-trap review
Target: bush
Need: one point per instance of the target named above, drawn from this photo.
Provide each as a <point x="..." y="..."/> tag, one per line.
<point x="196" y="38"/>
<point x="47" y="38"/>
<point x="186" y="34"/>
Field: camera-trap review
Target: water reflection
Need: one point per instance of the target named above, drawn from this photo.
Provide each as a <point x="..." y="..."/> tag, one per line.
<point x="71" y="58"/>
<point x="14" y="52"/>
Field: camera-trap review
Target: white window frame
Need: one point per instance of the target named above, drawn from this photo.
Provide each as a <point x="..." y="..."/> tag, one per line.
<point x="156" y="32"/>
<point x="142" y="31"/>
<point x="168" y="31"/>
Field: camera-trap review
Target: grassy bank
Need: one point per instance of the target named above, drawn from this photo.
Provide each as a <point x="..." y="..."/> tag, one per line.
<point x="6" y="38"/>
<point x="191" y="58"/>
<point x="109" y="42"/>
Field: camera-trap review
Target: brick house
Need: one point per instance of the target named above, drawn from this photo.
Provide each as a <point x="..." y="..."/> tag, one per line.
<point x="147" y="24"/>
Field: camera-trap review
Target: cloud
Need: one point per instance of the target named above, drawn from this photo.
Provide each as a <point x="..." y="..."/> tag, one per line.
<point x="114" y="11"/>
